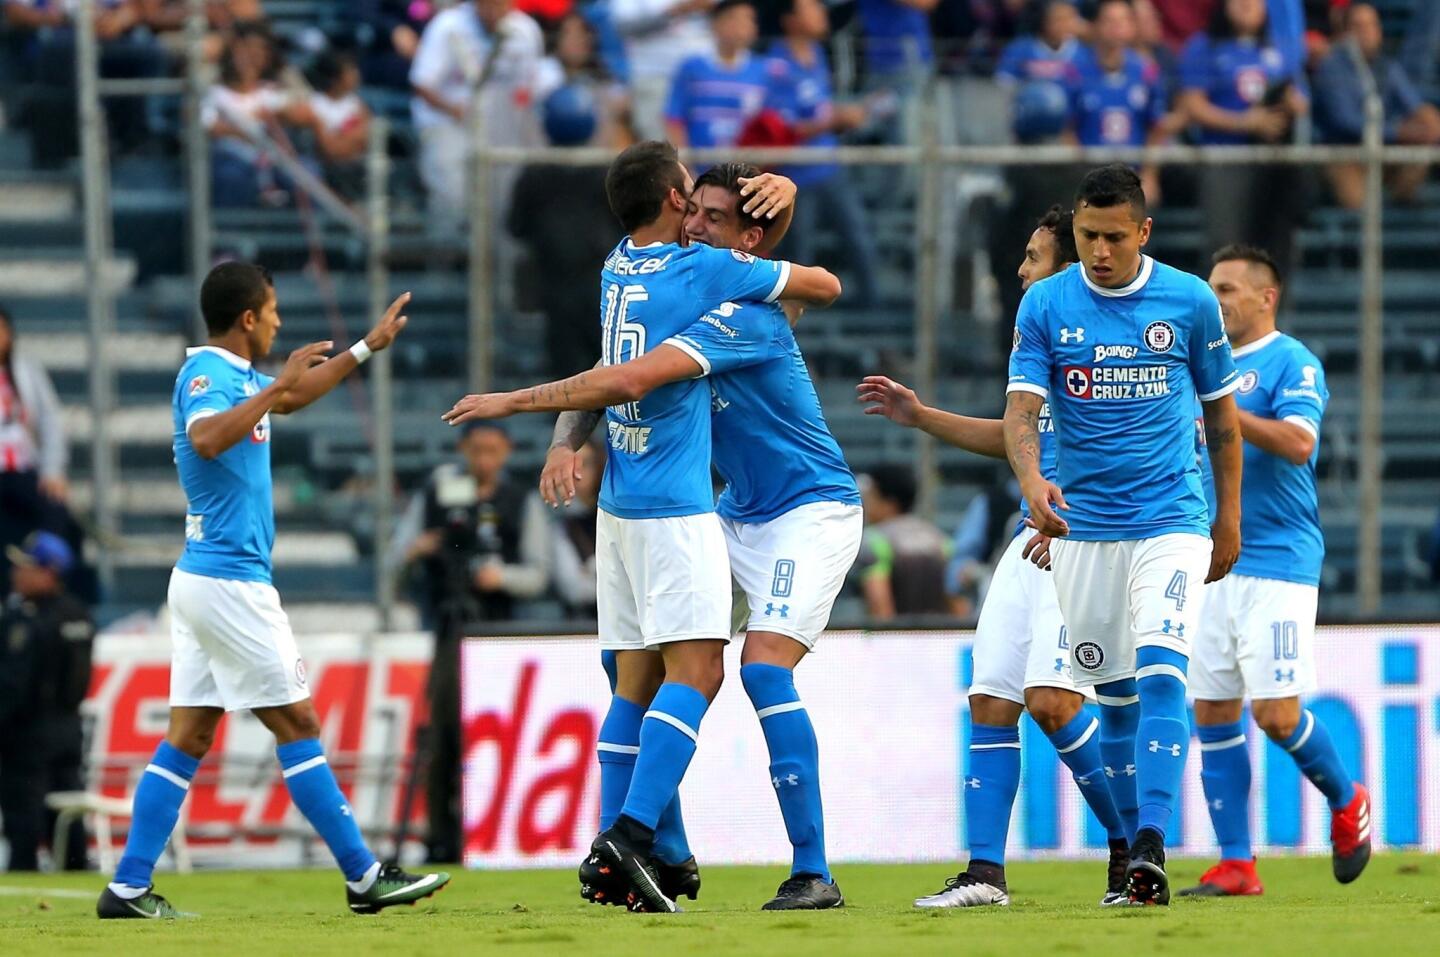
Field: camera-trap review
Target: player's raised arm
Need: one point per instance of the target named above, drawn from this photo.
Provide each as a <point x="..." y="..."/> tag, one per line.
<point x="326" y="376"/>
<point x="212" y="434"/>
<point x="769" y="196"/>
<point x="902" y="406"/>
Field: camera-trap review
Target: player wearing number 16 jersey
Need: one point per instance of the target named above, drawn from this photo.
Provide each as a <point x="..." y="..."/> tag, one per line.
<point x="1121" y="348"/>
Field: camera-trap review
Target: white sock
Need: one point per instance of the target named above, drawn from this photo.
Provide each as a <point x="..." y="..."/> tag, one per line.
<point x="126" y="892"/>
<point x="366" y="882"/>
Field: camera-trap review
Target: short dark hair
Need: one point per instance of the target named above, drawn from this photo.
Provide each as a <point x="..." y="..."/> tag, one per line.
<point x="727" y="176"/>
<point x="1112" y="185"/>
<point x="1061" y="223"/>
<point x="895" y="483"/>
<point x="1250" y="254"/>
<point x="725" y="6"/>
<point x="329" y="67"/>
<point x="1221" y="27"/>
<point x="639" y="180"/>
<point x="229" y="290"/>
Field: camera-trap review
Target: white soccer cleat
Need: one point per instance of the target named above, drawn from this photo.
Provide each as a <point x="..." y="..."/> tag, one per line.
<point x="966" y="890"/>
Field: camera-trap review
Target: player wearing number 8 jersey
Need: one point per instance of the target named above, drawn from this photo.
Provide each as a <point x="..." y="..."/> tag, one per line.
<point x="1121" y="348"/>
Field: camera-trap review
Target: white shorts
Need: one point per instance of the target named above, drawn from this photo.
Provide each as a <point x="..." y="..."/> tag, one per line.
<point x="231" y="646"/>
<point x="1119" y="596"/>
<point x="1257" y="637"/>
<point x="1021" y="640"/>
<point x="660" y="580"/>
<point x="789" y="571"/>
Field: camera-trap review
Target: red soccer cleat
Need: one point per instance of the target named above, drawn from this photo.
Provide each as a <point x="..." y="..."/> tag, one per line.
<point x="1350" y="837"/>
<point x="1229" y="878"/>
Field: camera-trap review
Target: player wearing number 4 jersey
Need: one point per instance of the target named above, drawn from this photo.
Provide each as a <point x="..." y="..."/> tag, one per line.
<point x="673" y="314"/>
<point x="1258" y="632"/>
<point x="1121" y="348"/>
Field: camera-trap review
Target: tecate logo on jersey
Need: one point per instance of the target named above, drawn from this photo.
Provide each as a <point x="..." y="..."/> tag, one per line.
<point x="631" y="439"/>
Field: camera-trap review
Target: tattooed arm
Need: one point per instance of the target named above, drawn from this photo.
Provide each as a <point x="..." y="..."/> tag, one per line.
<point x="1022" y="447"/>
<point x="1223" y="439"/>
<point x="563" y="469"/>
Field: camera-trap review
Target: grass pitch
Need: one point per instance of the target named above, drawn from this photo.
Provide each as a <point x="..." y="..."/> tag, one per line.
<point x="1393" y="909"/>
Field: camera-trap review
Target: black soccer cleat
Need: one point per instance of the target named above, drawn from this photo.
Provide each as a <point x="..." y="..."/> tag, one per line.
<point x="1118" y="875"/>
<point x="148" y="906"/>
<point x="602" y="884"/>
<point x="806" y="892"/>
<point x="1147" y="883"/>
<point x="393" y="886"/>
<point x="679" y="880"/>
<point x="614" y="851"/>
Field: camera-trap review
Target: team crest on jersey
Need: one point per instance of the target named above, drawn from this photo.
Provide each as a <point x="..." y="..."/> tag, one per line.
<point x="261" y="433"/>
<point x="198" y="385"/>
<point x="1077" y="381"/>
<point x="1159" y="337"/>
<point x="1249" y="381"/>
<point x="1089" y="655"/>
<point x="743" y="256"/>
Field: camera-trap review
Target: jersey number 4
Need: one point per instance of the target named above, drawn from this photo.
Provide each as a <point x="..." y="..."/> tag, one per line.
<point x="1176" y="589"/>
<point x="622" y="340"/>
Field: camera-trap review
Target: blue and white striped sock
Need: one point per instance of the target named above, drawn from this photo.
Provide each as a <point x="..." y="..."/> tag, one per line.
<point x="315" y="792"/>
<point x="1119" y="723"/>
<point x="156" y="808"/>
<point x="668" y="739"/>
<point x="1164" y="738"/>
<point x="1225" y="776"/>
<point x="990" y="785"/>
<point x="1078" y="744"/>
<point x="1315" y="753"/>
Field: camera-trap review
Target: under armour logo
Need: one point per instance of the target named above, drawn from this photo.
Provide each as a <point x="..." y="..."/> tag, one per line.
<point x="345" y="810"/>
<point x="1287" y="674"/>
<point x="1217" y="805"/>
<point x="1156" y="747"/>
<point x="782" y="610"/>
<point x="1177" y="630"/>
<point x="972" y="783"/>
<point x="1059" y="666"/>
<point x="1083" y="780"/>
<point x="1128" y="771"/>
<point x="1066" y="336"/>
<point x="789" y="779"/>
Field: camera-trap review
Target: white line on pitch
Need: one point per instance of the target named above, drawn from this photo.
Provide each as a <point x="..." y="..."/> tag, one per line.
<point x="45" y="892"/>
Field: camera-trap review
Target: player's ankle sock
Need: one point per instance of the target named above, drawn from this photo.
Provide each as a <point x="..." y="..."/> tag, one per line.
<point x="1318" y="760"/>
<point x="987" y="871"/>
<point x="158" y="797"/>
<point x="990" y="785"/>
<point x="1225" y="776"/>
<point x="672" y="846"/>
<point x="794" y="762"/>
<point x="667" y="743"/>
<point x="1164" y="736"/>
<point x="616" y="750"/>
<point x="313" y="789"/>
<point x="1119" y="724"/>
<point x="1078" y="745"/>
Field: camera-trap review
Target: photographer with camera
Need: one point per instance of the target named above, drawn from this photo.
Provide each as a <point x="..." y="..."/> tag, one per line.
<point x="479" y="545"/>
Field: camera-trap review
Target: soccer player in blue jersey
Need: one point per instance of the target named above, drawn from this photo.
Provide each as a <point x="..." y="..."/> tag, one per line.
<point x="1121" y="347"/>
<point x="232" y="645"/>
<point x="713" y="96"/>
<point x="1257" y="637"/>
<point x="661" y="556"/>
<point x="1021" y="654"/>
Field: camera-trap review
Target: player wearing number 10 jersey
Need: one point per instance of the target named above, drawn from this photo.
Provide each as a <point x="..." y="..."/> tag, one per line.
<point x="1121" y="348"/>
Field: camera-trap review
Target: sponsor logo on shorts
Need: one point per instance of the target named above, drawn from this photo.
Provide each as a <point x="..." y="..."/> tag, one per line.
<point x="300" y="672"/>
<point x="1089" y="655"/>
<point x="1159" y="337"/>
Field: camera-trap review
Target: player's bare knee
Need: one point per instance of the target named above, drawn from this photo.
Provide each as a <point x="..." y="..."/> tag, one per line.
<point x="1278" y="719"/>
<point x="1053" y="708"/>
<point x="698" y="664"/>
<point x="1208" y="713"/>
<point x="770" y="648"/>
<point x="995" y="712"/>
<point x="192" y="730"/>
<point x="291" y="722"/>
<point x="638" y="675"/>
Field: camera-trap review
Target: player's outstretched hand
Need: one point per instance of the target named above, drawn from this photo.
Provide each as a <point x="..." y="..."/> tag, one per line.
<point x="1224" y="551"/>
<point x="491" y="405"/>
<point x="889" y="398"/>
<point x="561" y="473"/>
<point x="1037" y="550"/>
<point x="767" y="195"/>
<point x="301" y="361"/>
<point x="1043" y="499"/>
<point x="389" y="325"/>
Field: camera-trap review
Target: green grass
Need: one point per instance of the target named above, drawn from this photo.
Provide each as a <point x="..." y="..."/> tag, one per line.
<point x="1394" y="909"/>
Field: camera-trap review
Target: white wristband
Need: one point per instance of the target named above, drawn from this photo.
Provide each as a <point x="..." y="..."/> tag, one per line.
<point x="361" y="352"/>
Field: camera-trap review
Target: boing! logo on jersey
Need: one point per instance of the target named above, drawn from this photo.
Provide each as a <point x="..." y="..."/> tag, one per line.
<point x="1159" y="337"/>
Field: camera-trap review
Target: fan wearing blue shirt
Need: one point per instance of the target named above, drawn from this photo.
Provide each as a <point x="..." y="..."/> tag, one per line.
<point x="672" y="315"/>
<point x="232" y="648"/>
<point x="1049" y="54"/>
<point x="712" y="97"/>
<point x="1258" y="633"/>
<point x="1122" y="347"/>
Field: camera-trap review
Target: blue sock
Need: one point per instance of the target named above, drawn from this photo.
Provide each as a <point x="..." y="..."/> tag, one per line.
<point x="1078" y="745"/>
<point x="1318" y="760"/>
<point x="1119" y="724"/>
<point x="1225" y="775"/>
<point x="158" y="797"/>
<point x="794" y="763"/>
<point x="667" y="743"/>
<point x="990" y="785"/>
<point x="313" y="789"/>
<point x="1164" y="737"/>
<point x="671" y="844"/>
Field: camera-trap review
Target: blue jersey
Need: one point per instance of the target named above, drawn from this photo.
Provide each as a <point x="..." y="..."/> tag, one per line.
<point x="1122" y="368"/>
<point x="229" y="511"/>
<point x="1279" y="506"/>
<point x="713" y="101"/>
<point x="1115" y="108"/>
<point x="772" y="445"/>
<point x="659" y="462"/>
<point x="896" y="37"/>
<point x="1234" y="75"/>
<point x="803" y="94"/>
<point x="1030" y="58"/>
